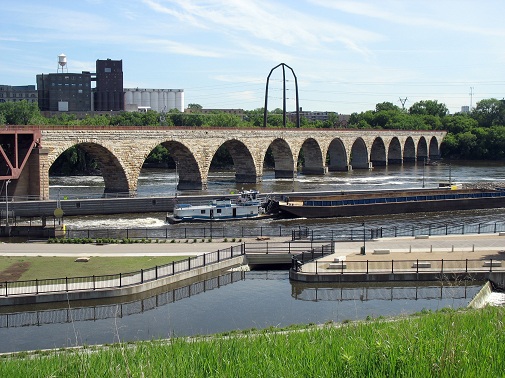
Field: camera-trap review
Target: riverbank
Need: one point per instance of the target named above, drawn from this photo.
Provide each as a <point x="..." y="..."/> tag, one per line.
<point x="447" y="343"/>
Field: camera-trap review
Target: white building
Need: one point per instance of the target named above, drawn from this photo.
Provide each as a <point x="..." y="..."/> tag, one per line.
<point x="155" y="99"/>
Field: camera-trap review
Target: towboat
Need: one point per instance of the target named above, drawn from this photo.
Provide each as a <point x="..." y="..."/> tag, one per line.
<point x="392" y="202"/>
<point x="246" y="206"/>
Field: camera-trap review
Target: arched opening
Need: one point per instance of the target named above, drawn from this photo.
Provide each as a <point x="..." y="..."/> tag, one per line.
<point x="95" y="171"/>
<point x="422" y="149"/>
<point x="279" y="153"/>
<point x="395" y="151"/>
<point x="378" y="153"/>
<point x="359" y="155"/>
<point x="434" y="152"/>
<point x="312" y="158"/>
<point x="337" y="157"/>
<point x="183" y="170"/>
<point x="243" y="162"/>
<point x="409" y="151"/>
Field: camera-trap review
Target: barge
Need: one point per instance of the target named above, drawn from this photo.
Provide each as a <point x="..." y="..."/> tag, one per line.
<point x="392" y="202"/>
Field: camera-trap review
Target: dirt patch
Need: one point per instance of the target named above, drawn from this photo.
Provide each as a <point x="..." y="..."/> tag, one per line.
<point x="14" y="272"/>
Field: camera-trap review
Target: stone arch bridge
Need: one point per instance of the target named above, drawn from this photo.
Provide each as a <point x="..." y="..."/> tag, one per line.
<point x="121" y="151"/>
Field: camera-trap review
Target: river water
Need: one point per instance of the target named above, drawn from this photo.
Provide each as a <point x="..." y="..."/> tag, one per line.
<point x="243" y="300"/>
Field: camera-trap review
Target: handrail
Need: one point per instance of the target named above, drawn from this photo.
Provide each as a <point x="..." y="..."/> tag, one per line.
<point x="120" y="280"/>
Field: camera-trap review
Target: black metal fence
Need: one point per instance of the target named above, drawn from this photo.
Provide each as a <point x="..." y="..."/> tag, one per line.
<point x="368" y="233"/>
<point x="110" y="281"/>
<point x="395" y="266"/>
<point x="192" y="232"/>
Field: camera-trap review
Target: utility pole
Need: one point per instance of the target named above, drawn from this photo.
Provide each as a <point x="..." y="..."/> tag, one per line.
<point x="403" y="101"/>
<point x="471" y="98"/>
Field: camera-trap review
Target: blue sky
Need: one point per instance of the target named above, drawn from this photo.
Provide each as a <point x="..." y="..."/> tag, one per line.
<point x="347" y="55"/>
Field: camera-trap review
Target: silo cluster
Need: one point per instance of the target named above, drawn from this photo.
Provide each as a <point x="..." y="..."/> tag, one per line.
<point x="154" y="99"/>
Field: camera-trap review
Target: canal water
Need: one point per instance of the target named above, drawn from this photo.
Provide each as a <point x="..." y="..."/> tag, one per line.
<point x="244" y="300"/>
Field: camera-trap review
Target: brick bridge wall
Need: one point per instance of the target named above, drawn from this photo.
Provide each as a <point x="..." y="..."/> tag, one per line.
<point x="121" y="152"/>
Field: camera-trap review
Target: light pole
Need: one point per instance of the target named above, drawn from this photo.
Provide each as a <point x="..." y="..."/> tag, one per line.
<point x="363" y="249"/>
<point x="7" y="203"/>
<point x="424" y="165"/>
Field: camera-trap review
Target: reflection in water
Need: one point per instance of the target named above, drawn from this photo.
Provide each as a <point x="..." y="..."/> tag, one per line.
<point x="119" y="310"/>
<point x="384" y="292"/>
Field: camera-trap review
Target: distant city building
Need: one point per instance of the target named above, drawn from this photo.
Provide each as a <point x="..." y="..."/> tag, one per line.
<point x="108" y="93"/>
<point x="313" y="116"/>
<point x="13" y="93"/>
<point x="65" y="92"/>
<point x="465" y="109"/>
<point x="239" y="112"/>
<point x="160" y="100"/>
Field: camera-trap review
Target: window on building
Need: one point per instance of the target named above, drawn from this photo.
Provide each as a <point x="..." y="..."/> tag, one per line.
<point x="107" y="69"/>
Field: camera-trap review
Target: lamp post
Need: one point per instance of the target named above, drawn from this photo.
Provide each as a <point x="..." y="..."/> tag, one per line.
<point x="424" y="165"/>
<point x="363" y="249"/>
<point x="7" y="203"/>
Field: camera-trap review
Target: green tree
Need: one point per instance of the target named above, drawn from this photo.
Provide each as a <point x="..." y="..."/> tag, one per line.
<point x="489" y="112"/>
<point x="221" y="119"/>
<point x="429" y="107"/>
<point x="19" y="112"/>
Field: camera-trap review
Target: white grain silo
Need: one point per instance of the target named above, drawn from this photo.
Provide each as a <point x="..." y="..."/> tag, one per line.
<point x="137" y="97"/>
<point x="179" y="100"/>
<point x="171" y="100"/>
<point x="146" y="98"/>
<point x="128" y="97"/>
<point x="163" y="100"/>
<point x="154" y="100"/>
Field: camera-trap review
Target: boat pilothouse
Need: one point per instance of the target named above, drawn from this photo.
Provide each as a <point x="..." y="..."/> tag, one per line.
<point x="246" y="206"/>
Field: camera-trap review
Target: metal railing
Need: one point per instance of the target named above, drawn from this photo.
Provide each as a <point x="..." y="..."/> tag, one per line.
<point x="111" y="281"/>
<point x="344" y="267"/>
<point x="192" y="232"/>
<point x="432" y="229"/>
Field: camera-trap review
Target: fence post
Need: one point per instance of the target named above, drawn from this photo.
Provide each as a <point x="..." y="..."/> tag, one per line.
<point x="351" y="234"/>
<point x="156" y="272"/>
<point x="316" y="266"/>
<point x="289" y="247"/>
<point x="267" y="248"/>
<point x="218" y="255"/>
<point x="66" y="284"/>
<point x="495" y="227"/>
<point x="417" y="266"/>
<point x="442" y="266"/>
<point x="185" y="236"/>
<point x="261" y="231"/>
<point x="94" y="284"/>
<point x="189" y="262"/>
<point x="466" y="265"/>
<point x="463" y="229"/>
<point x="206" y="254"/>
<point x="446" y="229"/>
<point x="479" y="229"/>
<point x="141" y="275"/>
<point x="173" y="267"/>
<point x="491" y="266"/>
<point x="120" y="283"/>
<point x="413" y="232"/>
<point x="6" y="290"/>
<point x="392" y="267"/>
<point x="36" y="286"/>
<point x="280" y="231"/>
<point x="367" y="267"/>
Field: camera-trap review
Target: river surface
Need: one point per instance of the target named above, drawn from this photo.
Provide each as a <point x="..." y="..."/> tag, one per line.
<point x="243" y="300"/>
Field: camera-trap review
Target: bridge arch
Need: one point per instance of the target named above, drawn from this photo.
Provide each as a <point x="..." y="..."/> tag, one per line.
<point x="313" y="158"/>
<point x="434" y="148"/>
<point x="116" y="177"/>
<point x="359" y="155"/>
<point x="337" y="156"/>
<point x="422" y="149"/>
<point x="283" y="158"/>
<point x="395" y="151"/>
<point x="378" y="156"/>
<point x="243" y="161"/>
<point x="409" y="150"/>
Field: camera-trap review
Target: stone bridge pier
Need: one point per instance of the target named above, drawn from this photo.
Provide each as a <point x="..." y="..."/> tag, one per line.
<point x="120" y="152"/>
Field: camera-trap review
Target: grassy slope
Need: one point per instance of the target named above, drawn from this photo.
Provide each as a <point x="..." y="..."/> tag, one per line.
<point x="443" y="344"/>
<point x="57" y="267"/>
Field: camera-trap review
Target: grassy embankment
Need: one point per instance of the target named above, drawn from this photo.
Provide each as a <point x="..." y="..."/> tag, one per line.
<point x="54" y="267"/>
<point x="444" y="344"/>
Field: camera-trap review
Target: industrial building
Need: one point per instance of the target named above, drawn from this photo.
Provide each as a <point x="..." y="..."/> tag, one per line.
<point x="108" y="93"/>
<point x="160" y="100"/>
<point x="64" y="92"/>
<point x="13" y="93"/>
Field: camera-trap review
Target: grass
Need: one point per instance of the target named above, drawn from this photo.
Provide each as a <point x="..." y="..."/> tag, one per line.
<point x="57" y="267"/>
<point x="447" y="343"/>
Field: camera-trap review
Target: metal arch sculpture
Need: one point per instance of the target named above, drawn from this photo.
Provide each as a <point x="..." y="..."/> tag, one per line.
<point x="265" y="111"/>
